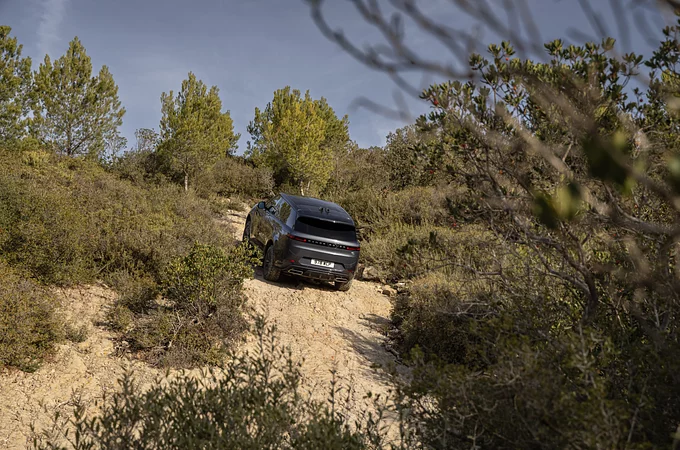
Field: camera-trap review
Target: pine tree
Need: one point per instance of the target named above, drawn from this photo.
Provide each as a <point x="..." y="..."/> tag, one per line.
<point x="194" y="130"/>
<point x="74" y="112"/>
<point x="297" y="137"/>
<point x="15" y="83"/>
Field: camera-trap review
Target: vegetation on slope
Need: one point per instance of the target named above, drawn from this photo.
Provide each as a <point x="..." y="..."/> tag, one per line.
<point x="533" y="212"/>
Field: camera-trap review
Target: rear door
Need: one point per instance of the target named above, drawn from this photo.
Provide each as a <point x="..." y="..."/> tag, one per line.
<point x="326" y="242"/>
<point x="327" y="230"/>
<point x="259" y="224"/>
<point x="265" y="227"/>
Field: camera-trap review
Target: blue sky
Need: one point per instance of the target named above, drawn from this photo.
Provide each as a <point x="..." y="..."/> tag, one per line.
<point x="249" y="48"/>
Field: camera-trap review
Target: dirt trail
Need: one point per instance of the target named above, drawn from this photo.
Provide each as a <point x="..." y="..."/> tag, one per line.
<point x="330" y="330"/>
<point x="87" y="369"/>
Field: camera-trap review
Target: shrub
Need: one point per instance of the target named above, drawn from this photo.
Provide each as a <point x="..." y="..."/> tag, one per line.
<point x="69" y="221"/>
<point x="43" y="230"/>
<point x="139" y="166"/>
<point x="29" y="326"/>
<point x="254" y="401"/>
<point x="439" y="315"/>
<point x="376" y="212"/>
<point x="199" y="280"/>
<point x="407" y="251"/>
<point x="76" y="333"/>
<point x="137" y="292"/>
<point x="233" y="176"/>
<point x="201" y="313"/>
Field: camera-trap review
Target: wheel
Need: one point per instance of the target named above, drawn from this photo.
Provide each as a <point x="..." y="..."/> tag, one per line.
<point x="343" y="286"/>
<point x="270" y="272"/>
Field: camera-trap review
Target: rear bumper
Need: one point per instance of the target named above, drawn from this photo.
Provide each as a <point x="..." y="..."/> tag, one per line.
<point x="295" y="259"/>
<point x="318" y="274"/>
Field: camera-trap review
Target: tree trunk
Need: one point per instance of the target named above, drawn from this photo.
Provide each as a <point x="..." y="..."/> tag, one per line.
<point x="302" y="188"/>
<point x="186" y="182"/>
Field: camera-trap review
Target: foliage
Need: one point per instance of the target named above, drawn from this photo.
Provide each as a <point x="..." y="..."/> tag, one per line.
<point x="15" y="83"/>
<point x="255" y="401"/>
<point x="406" y="251"/>
<point x="29" y="327"/>
<point x="581" y="264"/>
<point x="411" y="157"/>
<point x="356" y="170"/>
<point x="197" y="280"/>
<point x="297" y="138"/>
<point x="200" y="314"/>
<point x="194" y="130"/>
<point x="233" y="175"/>
<point x="66" y="221"/>
<point x="74" y="112"/>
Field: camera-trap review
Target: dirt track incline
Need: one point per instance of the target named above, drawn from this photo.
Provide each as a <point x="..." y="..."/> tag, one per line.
<point x="328" y="330"/>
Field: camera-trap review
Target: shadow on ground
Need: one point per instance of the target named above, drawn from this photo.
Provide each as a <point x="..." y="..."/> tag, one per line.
<point x="294" y="283"/>
<point x="379" y="362"/>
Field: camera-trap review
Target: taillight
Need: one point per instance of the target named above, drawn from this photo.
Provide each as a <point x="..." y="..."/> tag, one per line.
<point x="297" y="238"/>
<point x="354" y="249"/>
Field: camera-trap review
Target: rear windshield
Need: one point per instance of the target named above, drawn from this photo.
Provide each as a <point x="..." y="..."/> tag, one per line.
<point x="326" y="229"/>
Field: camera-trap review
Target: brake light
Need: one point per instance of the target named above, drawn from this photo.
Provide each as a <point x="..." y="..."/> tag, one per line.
<point x="297" y="238"/>
<point x="354" y="249"/>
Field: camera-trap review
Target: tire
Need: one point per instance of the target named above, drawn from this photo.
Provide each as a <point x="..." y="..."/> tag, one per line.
<point x="343" y="286"/>
<point x="269" y="271"/>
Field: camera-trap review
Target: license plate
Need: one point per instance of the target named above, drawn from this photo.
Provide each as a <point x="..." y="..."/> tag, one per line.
<point x="318" y="262"/>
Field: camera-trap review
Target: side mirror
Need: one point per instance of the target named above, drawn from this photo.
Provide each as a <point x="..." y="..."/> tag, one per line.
<point x="260" y="205"/>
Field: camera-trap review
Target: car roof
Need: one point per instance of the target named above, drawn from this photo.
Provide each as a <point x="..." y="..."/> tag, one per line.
<point x="317" y="208"/>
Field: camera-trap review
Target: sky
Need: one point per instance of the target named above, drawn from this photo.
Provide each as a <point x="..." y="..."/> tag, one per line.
<point x="250" y="48"/>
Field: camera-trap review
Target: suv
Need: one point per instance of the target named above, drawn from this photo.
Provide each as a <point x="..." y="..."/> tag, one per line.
<point x="304" y="237"/>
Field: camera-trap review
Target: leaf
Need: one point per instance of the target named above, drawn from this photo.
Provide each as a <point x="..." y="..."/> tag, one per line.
<point x="545" y="211"/>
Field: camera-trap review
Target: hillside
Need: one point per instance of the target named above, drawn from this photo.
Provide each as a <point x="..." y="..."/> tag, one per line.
<point x="330" y="330"/>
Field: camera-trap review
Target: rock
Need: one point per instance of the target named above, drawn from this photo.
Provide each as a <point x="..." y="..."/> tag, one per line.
<point x="360" y="271"/>
<point x="389" y="291"/>
<point x="402" y="287"/>
<point x="371" y="274"/>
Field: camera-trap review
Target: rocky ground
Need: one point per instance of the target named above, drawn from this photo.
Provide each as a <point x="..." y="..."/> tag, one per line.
<point x="328" y="330"/>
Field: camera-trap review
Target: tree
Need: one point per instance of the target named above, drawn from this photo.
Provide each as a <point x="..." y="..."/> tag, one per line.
<point x="15" y="83"/>
<point x="571" y="168"/>
<point x="146" y="140"/>
<point x="298" y="138"/>
<point x="74" y="112"/>
<point x="194" y="130"/>
<point x="411" y="156"/>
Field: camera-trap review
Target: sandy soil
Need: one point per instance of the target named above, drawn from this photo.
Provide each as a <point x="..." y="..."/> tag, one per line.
<point x="328" y="330"/>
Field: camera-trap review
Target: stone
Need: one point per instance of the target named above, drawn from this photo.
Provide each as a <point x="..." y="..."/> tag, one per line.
<point x="389" y="291"/>
<point x="371" y="274"/>
<point x="360" y="271"/>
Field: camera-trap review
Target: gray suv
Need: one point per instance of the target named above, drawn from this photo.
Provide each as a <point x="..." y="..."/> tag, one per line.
<point x="304" y="237"/>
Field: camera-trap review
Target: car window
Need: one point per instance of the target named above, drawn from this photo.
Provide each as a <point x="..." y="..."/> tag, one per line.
<point x="271" y="202"/>
<point x="283" y="211"/>
<point x="325" y="228"/>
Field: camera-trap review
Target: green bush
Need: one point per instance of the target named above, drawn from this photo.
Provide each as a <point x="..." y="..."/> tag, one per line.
<point x="440" y="314"/>
<point x="68" y="221"/>
<point x="376" y="212"/>
<point x="137" y="292"/>
<point x="231" y="176"/>
<point x="199" y="280"/>
<point x="408" y="251"/>
<point x="254" y="401"/>
<point x="29" y="327"/>
<point x="200" y="315"/>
